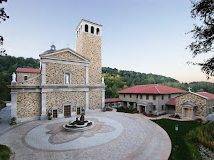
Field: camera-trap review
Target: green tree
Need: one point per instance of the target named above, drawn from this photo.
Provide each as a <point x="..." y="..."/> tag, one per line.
<point x="4" y="17"/>
<point x="203" y="34"/>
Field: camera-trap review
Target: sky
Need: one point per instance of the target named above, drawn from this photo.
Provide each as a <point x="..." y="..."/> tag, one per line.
<point x="147" y="36"/>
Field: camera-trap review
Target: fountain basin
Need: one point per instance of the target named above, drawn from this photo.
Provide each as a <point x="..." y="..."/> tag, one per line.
<point x="79" y="127"/>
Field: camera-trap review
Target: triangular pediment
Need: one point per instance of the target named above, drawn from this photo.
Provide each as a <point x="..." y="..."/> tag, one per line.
<point x="64" y="54"/>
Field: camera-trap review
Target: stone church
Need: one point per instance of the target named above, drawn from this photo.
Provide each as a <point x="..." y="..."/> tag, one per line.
<point x="67" y="83"/>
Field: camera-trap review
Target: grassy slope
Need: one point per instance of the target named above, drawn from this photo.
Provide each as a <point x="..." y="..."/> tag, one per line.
<point x="185" y="150"/>
<point x="5" y="152"/>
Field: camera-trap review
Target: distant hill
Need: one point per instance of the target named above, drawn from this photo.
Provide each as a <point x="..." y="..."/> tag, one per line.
<point x="115" y="79"/>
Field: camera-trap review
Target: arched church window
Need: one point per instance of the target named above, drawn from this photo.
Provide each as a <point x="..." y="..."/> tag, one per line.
<point x="86" y="28"/>
<point x="92" y="29"/>
<point x="98" y="30"/>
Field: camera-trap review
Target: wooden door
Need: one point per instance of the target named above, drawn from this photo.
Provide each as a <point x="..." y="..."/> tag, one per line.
<point x="67" y="111"/>
<point x="55" y="113"/>
<point x="188" y="113"/>
<point x="78" y="110"/>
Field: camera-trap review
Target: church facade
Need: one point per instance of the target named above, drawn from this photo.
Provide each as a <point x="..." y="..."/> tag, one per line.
<point x="67" y="83"/>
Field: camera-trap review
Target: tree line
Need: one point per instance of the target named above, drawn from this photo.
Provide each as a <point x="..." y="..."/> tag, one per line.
<point x="115" y="79"/>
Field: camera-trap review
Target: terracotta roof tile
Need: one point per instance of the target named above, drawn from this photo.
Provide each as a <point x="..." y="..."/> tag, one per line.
<point x="112" y="100"/>
<point x="28" y="70"/>
<point x="151" y="89"/>
<point x="171" y="102"/>
<point x="206" y="94"/>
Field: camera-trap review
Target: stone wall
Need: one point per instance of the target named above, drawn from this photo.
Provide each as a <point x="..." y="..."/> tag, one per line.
<point x="28" y="105"/>
<point x="66" y="55"/>
<point x="55" y="74"/>
<point x="201" y="109"/>
<point x="210" y="103"/>
<point x="32" y="78"/>
<point x="95" y="100"/>
<point x="89" y="46"/>
<point x="58" y="98"/>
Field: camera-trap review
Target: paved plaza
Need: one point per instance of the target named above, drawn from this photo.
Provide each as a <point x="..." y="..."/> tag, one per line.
<point x="114" y="136"/>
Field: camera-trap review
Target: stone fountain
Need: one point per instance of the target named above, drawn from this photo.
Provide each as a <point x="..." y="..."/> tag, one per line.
<point x="78" y="125"/>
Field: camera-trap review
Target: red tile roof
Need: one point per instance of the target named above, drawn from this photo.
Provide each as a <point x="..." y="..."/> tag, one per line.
<point x="151" y="89"/>
<point x="112" y="100"/>
<point x="28" y="70"/>
<point x="171" y="102"/>
<point x="206" y="94"/>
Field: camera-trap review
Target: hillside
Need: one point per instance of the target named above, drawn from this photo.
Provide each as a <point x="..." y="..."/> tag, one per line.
<point x="114" y="79"/>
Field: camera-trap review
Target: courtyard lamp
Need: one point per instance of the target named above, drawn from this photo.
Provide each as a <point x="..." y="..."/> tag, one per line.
<point x="176" y="130"/>
<point x="156" y="111"/>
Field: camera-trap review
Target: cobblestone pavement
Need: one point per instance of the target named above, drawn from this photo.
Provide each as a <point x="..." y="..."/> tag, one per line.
<point x="115" y="136"/>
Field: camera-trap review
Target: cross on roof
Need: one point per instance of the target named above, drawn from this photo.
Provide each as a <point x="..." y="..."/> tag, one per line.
<point x="189" y="89"/>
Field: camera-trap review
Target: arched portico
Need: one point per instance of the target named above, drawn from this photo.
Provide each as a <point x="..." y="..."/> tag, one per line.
<point x="188" y="109"/>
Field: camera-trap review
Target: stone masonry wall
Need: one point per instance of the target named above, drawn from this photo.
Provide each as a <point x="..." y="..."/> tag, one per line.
<point x="66" y="55"/>
<point x="55" y="74"/>
<point x="210" y="103"/>
<point x="201" y="108"/>
<point x="58" y="98"/>
<point x="20" y="78"/>
<point x="28" y="105"/>
<point x="89" y="46"/>
<point x="95" y="100"/>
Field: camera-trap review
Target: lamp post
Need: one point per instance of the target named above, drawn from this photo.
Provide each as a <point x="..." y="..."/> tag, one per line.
<point x="176" y="130"/>
<point x="156" y="113"/>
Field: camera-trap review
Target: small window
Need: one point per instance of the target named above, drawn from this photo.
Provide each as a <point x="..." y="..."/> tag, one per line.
<point x="162" y="107"/>
<point x="154" y="107"/>
<point x="92" y="29"/>
<point x="154" y="97"/>
<point x="169" y="96"/>
<point x="124" y="95"/>
<point x="141" y="96"/>
<point x="147" y="97"/>
<point x="25" y="78"/>
<point x="86" y="28"/>
<point x="67" y="78"/>
<point x="213" y="109"/>
<point x="162" y="96"/>
<point x="130" y="96"/>
<point x="98" y="31"/>
<point x="210" y="110"/>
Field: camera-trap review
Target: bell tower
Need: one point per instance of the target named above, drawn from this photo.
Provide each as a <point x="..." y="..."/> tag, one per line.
<point x="88" y="44"/>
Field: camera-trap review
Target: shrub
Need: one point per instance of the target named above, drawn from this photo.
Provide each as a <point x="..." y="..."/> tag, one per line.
<point x="203" y="135"/>
<point x="125" y="110"/>
<point x="177" y="116"/>
<point x="5" y="152"/>
<point x="135" y="111"/>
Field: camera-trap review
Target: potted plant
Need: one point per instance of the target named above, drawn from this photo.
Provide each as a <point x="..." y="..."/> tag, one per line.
<point x="49" y="115"/>
<point x="13" y="121"/>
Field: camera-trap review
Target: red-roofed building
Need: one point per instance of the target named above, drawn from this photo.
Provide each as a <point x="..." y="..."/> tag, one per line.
<point x="25" y="75"/>
<point x="195" y="105"/>
<point x="113" y="102"/>
<point x="27" y="70"/>
<point x="150" y="98"/>
<point x="170" y="106"/>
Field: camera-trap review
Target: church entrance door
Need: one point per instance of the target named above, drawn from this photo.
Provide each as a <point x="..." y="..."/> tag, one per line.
<point x="188" y="112"/>
<point x="67" y="111"/>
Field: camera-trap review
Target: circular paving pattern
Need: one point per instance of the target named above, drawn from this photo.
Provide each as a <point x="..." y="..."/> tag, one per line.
<point x="115" y="136"/>
<point x="68" y="140"/>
